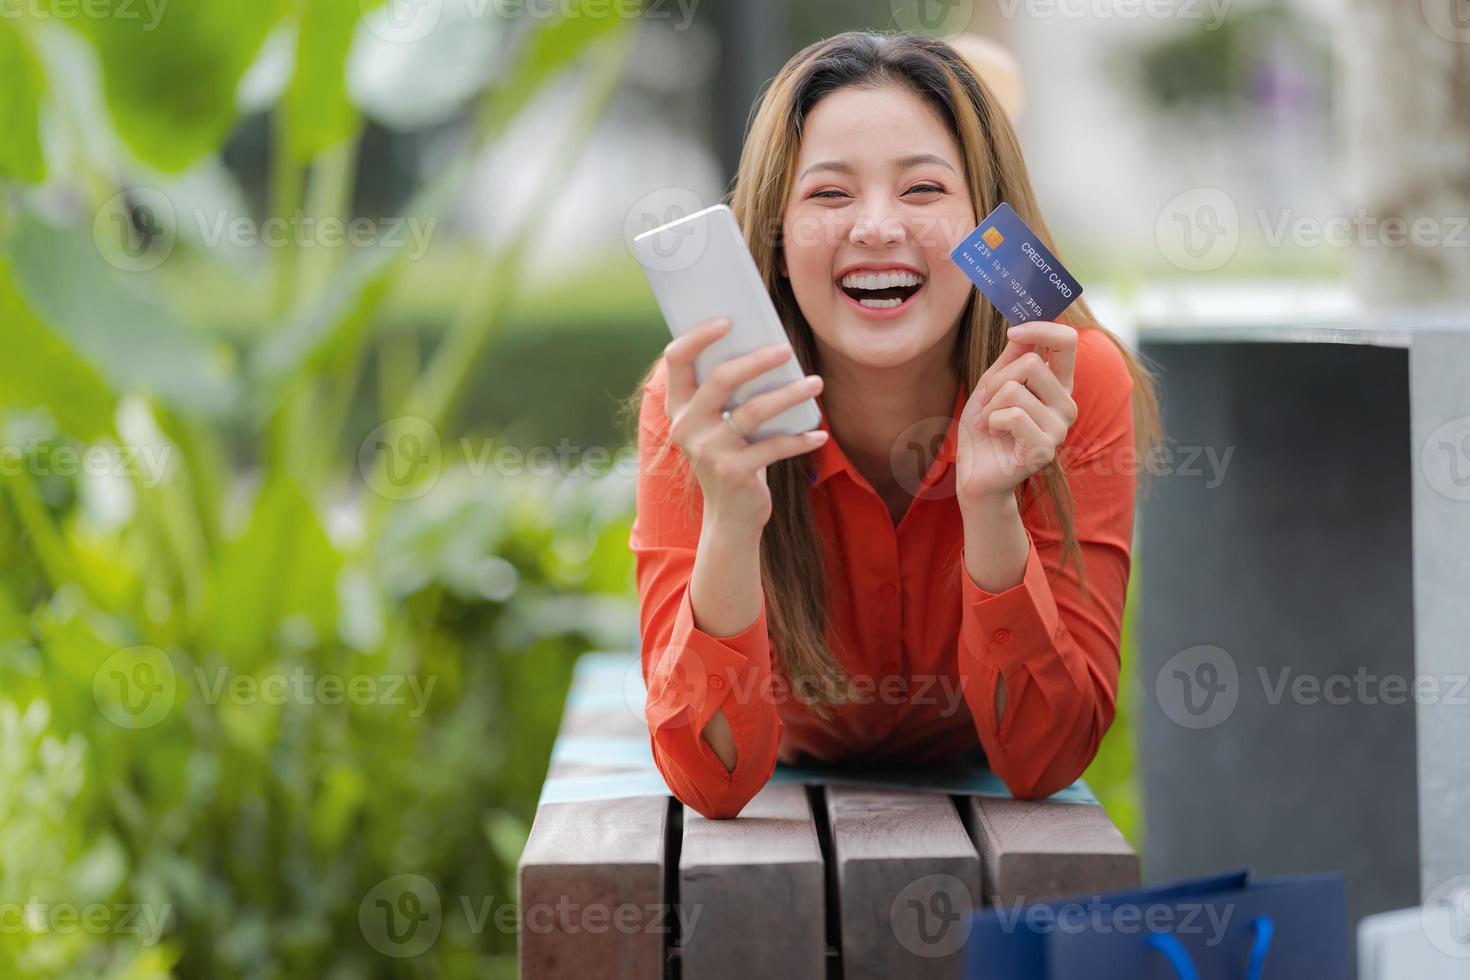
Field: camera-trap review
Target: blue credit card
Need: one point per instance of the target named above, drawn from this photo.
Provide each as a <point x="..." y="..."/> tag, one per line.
<point x="1019" y="275"/>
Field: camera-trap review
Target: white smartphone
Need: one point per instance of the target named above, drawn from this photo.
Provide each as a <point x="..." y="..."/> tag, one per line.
<point x="700" y="268"/>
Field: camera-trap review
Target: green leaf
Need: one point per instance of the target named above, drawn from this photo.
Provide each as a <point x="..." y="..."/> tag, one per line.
<point x="331" y="331"/>
<point x="117" y="320"/>
<point x="283" y="566"/>
<point x="39" y="369"/>
<point x="170" y="70"/>
<point x="21" y="155"/>
<point x="319" y="113"/>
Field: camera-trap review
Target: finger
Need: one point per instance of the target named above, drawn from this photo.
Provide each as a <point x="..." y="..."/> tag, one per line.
<point x="767" y="405"/>
<point x="679" y="356"/>
<point x="1037" y="375"/>
<point x="1012" y="351"/>
<point x="1017" y="395"/>
<point x="777" y="448"/>
<point x="1033" y="448"/>
<point x="714" y="394"/>
<point x="1060" y="341"/>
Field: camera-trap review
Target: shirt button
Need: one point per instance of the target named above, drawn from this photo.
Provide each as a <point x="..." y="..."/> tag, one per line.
<point x="1000" y="636"/>
<point x="888" y="590"/>
<point x="716" y="682"/>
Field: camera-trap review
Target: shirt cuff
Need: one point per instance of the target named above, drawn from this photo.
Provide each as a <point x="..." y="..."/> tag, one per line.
<point x="697" y="674"/>
<point x="1003" y="629"/>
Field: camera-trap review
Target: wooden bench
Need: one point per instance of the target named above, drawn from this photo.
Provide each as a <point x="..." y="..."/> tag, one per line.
<point x="809" y="881"/>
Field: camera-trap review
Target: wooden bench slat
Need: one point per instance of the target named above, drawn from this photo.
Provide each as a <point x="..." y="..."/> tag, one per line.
<point x="592" y="874"/>
<point x="907" y="876"/>
<point x="752" y="891"/>
<point x="1038" y="849"/>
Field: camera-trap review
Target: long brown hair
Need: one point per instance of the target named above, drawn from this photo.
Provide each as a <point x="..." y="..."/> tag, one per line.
<point x="794" y="576"/>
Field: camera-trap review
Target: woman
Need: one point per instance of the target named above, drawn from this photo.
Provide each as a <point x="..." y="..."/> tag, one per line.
<point x="942" y="566"/>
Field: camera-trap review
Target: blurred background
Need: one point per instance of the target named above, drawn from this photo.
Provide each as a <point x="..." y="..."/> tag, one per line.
<point x="315" y="321"/>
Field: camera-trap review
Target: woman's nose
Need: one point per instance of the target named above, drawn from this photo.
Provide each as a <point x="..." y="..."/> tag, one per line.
<point x="878" y="229"/>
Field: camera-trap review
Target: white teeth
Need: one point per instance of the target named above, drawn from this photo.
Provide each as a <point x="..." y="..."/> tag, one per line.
<point x="881" y="280"/>
<point x="880" y="304"/>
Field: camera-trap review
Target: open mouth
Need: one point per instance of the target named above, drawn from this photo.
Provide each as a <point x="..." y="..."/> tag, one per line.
<point x="881" y="290"/>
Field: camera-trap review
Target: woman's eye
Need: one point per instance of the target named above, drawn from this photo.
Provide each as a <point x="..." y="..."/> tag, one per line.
<point x="829" y="195"/>
<point x="926" y="189"/>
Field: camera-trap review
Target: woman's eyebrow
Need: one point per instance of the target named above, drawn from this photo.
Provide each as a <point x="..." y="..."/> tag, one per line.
<point x="901" y="163"/>
<point x="914" y="159"/>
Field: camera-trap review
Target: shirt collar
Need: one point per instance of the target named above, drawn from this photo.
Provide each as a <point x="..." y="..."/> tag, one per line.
<point x="829" y="459"/>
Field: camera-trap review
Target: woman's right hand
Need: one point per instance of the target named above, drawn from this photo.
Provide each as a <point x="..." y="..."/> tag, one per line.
<point x="730" y="469"/>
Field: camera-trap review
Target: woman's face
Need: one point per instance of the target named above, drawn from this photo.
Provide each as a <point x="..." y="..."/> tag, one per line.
<point x="879" y="200"/>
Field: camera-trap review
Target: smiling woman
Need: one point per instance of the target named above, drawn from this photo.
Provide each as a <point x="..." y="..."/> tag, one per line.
<point x="928" y="537"/>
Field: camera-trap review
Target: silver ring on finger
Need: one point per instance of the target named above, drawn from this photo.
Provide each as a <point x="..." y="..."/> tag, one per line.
<point x="730" y="421"/>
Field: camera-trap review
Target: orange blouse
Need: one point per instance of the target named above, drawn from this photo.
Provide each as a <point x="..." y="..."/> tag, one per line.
<point x="923" y="646"/>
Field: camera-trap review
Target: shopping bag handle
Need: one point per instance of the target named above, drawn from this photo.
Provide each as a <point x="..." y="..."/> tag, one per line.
<point x="1179" y="959"/>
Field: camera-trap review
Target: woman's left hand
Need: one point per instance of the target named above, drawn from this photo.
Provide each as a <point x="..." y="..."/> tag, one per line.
<point x="1019" y="413"/>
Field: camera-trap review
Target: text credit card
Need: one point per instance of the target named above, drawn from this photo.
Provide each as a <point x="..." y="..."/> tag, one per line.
<point x="1019" y="275"/>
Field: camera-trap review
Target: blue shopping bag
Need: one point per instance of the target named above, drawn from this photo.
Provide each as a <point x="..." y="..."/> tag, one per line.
<point x="1226" y="927"/>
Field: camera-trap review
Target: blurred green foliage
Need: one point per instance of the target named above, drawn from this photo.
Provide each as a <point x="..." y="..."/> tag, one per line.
<point x="248" y="669"/>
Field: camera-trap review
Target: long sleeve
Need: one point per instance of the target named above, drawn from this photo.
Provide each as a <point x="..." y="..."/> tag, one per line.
<point x="689" y="673"/>
<point x="1058" y="651"/>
